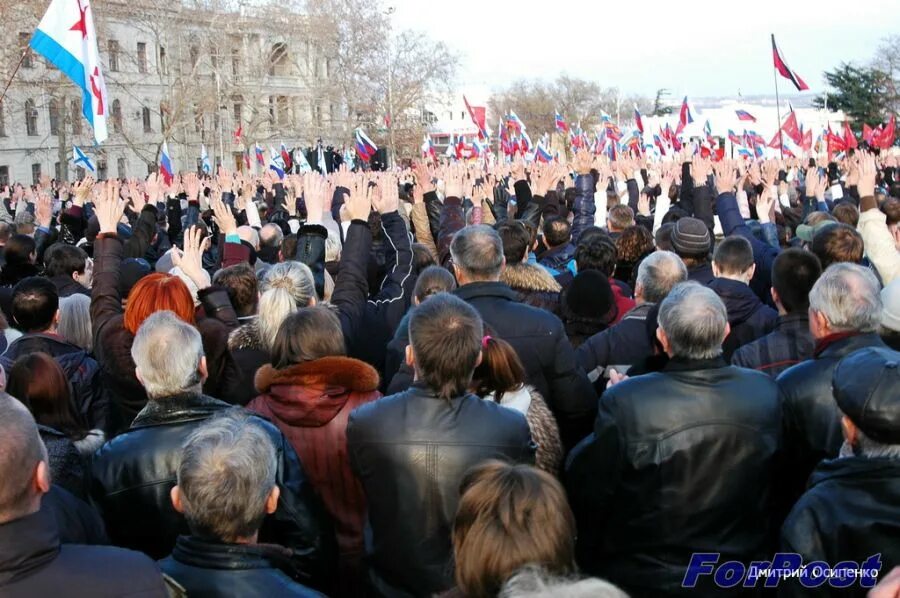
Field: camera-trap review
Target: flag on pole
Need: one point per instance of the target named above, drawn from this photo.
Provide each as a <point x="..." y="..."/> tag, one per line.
<point x="428" y="148"/>
<point x="80" y="159"/>
<point x="165" y="164"/>
<point x="638" y="121"/>
<point x="745" y="116"/>
<point x="561" y="125"/>
<point x="238" y="133"/>
<point x="323" y="166"/>
<point x="784" y="70"/>
<point x="365" y="147"/>
<point x="791" y="128"/>
<point x="541" y="154"/>
<point x="260" y="155"/>
<point x="868" y="134"/>
<point x="301" y="161"/>
<point x="276" y="162"/>
<point x="734" y="138"/>
<point x="886" y="138"/>
<point x="684" y="116"/>
<point x="67" y="39"/>
<point x="477" y="114"/>
<point x="849" y="137"/>
<point x="247" y="162"/>
<point x="659" y="143"/>
<point x="286" y="157"/>
<point x="513" y="120"/>
<point x="204" y="160"/>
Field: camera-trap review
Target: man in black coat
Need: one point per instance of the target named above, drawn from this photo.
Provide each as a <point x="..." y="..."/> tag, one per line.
<point x="748" y="317"/>
<point x="35" y="311"/>
<point x="851" y="510"/>
<point x="69" y="268"/>
<point x="226" y="486"/>
<point x="135" y="471"/>
<point x="845" y="310"/>
<point x="33" y="561"/>
<point x="411" y="450"/>
<point x="680" y="461"/>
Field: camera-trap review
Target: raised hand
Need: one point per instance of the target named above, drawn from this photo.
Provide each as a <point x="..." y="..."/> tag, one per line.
<point x="315" y="188"/>
<point x="867" y="172"/>
<point x="583" y="163"/>
<point x="109" y="208"/>
<point x="388" y="200"/>
<point x="153" y="186"/>
<point x="191" y="186"/>
<point x="357" y="204"/>
<point x="191" y="260"/>
<point x="43" y="210"/>
<point x="726" y="177"/>
<point x="424" y="177"/>
<point x="765" y="205"/>
<point x="223" y="216"/>
<point x="83" y="190"/>
<point x="644" y="204"/>
<point x="225" y="180"/>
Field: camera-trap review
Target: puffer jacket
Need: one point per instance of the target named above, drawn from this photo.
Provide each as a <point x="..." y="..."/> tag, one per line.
<point x="850" y="512"/>
<point x="311" y="404"/>
<point x="680" y="461"/>
<point x="748" y="317"/>
<point x="133" y="474"/>
<point x="205" y="568"/>
<point x="812" y="420"/>
<point x="82" y="371"/>
<point x="535" y="286"/>
<point x="410" y="451"/>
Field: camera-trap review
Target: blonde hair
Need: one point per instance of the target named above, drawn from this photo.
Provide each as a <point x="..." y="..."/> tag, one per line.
<point x="287" y="287"/>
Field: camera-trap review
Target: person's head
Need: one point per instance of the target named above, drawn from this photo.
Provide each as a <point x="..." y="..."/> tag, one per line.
<point x="733" y="259"/>
<point x="24" y="467"/>
<point x="445" y="335"/>
<point x="422" y="257"/>
<point x="891" y="209"/>
<point x="243" y="287"/>
<point x="510" y="516"/>
<point x="226" y="480"/>
<point x="865" y="386"/>
<point x="500" y="371"/>
<point x="619" y="218"/>
<point x="249" y="235"/>
<point x="516" y="241"/>
<point x="285" y="288"/>
<point x="158" y="292"/>
<point x="845" y="298"/>
<point x="19" y="250"/>
<point x="794" y="273"/>
<point x="74" y="323"/>
<point x="534" y="582"/>
<point x="70" y="261"/>
<point x="691" y="240"/>
<point x="596" y="253"/>
<point x="846" y="213"/>
<point x="662" y="238"/>
<point x="5" y="232"/>
<point x="306" y="335"/>
<point x="557" y="232"/>
<point x="271" y="236"/>
<point x="692" y="322"/>
<point x="838" y="243"/>
<point x="168" y="356"/>
<point x="477" y="253"/>
<point x="431" y="281"/>
<point x="25" y="222"/>
<point x="41" y="384"/>
<point x="35" y="305"/>
<point x="657" y="275"/>
<point x="634" y="243"/>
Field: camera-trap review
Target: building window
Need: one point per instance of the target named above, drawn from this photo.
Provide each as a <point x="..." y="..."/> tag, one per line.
<point x="282" y="110"/>
<point x="142" y="57"/>
<point x="238" y="113"/>
<point x="35" y="174"/>
<point x="278" y="60"/>
<point x="120" y="168"/>
<point x="31" y="117"/>
<point x="101" y="170"/>
<point x="145" y="115"/>
<point x="317" y="115"/>
<point x="271" y="110"/>
<point x="117" y="116"/>
<point x="57" y="171"/>
<point x="235" y="62"/>
<point x="163" y="65"/>
<point x="112" y="48"/>
<point x="4" y="175"/>
<point x="195" y="56"/>
<point x="53" y="115"/>
<point x="28" y="61"/>
<point x="76" y="117"/>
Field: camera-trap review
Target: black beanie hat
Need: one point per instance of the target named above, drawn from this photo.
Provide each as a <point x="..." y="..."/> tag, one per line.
<point x="591" y="296"/>
<point x="690" y="236"/>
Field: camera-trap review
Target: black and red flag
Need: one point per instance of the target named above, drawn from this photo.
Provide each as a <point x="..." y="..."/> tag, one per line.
<point x="784" y="70"/>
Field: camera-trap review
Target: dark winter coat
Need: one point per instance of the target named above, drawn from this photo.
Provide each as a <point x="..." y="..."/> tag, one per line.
<point x="748" y="317"/>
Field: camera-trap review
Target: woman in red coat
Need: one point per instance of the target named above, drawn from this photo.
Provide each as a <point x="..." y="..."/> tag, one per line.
<point x="309" y="392"/>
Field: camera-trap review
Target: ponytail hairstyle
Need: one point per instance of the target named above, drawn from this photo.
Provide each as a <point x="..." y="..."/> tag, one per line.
<point x="500" y="370"/>
<point x="287" y="287"/>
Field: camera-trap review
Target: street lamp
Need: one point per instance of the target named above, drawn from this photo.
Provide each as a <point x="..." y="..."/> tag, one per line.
<point x="390" y="82"/>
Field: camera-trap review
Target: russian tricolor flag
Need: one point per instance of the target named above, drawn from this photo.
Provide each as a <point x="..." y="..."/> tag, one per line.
<point x="638" y="121"/>
<point x="260" y="156"/>
<point x="745" y="116"/>
<point x="541" y="154"/>
<point x="734" y="138"/>
<point x="561" y="123"/>
<point x="365" y="147"/>
<point x="165" y="164"/>
<point x="684" y="116"/>
<point x="286" y="157"/>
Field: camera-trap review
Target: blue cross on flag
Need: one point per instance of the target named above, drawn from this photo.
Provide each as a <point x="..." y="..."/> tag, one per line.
<point x="79" y="158"/>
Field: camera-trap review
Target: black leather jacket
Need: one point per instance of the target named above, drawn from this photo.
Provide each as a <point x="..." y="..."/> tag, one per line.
<point x="206" y="568"/>
<point x="135" y="471"/>
<point x="850" y="512"/>
<point x="680" y="461"/>
<point x="812" y="421"/>
<point x="410" y="452"/>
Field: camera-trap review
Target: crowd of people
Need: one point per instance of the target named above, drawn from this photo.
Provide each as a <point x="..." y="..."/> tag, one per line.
<point x="543" y="379"/>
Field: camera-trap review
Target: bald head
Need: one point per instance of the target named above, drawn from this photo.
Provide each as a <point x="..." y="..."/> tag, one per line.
<point x="847" y="298"/>
<point x="477" y="253"/>
<point x="23" y="468"/>
<point x="694" y="321"/>
<point x="249" y="234"/>
<point x="657" y="275"/>
<point x="271" y="235"/>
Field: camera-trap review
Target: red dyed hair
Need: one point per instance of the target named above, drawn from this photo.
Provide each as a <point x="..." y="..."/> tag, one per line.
<point x="158" y="292"/>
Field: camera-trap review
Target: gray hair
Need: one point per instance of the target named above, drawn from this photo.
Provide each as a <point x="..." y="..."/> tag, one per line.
<point x="227" y="472"/>
<point x="658" y="273"/>
<point x="694" y="320"/>
<point x="285" y="288"/>
<point x="167" y="353"/>
<point x="478" y="251"/>
<point x="533" y="582"/>
<point x="332" y="247"/>
<point x="75" y="321"/>
<point x="271" y="235"/>
<point x="870" y="449"/>
<point x="21" y="449"/>
<point x="849" y="297"/>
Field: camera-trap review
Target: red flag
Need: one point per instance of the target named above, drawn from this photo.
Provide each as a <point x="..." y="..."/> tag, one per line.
<point x="785" y="71"/>
<point x="886" y="139"/>
<point x="477" y="115"/>
<point x="806" y="142"/>
<point x="776" y="141"/>
<point x="792" y="129"/>
<point x="836" y="143"/>
<point x="849" y="137"/>
<point x="238" y="133"/>
<point x="868" y="134"/>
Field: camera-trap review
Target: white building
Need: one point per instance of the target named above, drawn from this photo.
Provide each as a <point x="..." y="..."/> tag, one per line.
<point x="191" y="77"/>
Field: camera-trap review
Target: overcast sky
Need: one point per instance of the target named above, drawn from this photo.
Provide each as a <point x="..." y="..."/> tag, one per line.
<point x="694" y="47"/>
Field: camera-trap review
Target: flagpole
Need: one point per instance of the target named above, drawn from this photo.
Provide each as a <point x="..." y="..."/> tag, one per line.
<point x="778" y="106"/>
<point x="15" y="70"/>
